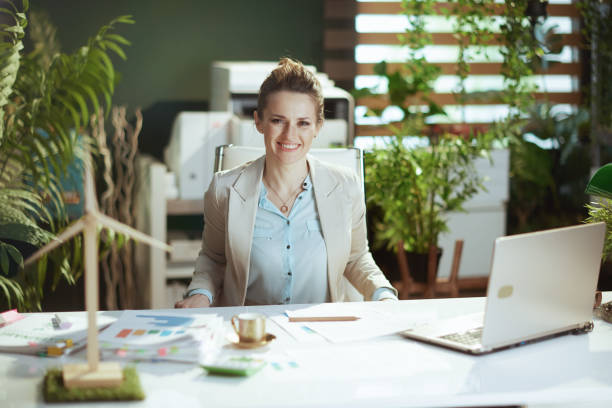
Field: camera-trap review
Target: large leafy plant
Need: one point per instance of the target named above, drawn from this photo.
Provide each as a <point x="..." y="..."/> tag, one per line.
<point x="416" y="187"/>
<point x="411" y="187"/>
<point x="550" y="167"/>
<point x="46" y="100"/>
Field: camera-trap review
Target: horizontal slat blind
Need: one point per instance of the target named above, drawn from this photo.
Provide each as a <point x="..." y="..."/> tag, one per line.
<point x="376" y="40"/>
<point x="394" y="7"/>
<point x="479" y="68"/>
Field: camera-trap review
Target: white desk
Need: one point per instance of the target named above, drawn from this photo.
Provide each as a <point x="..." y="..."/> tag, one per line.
<point x="388" y="371"/>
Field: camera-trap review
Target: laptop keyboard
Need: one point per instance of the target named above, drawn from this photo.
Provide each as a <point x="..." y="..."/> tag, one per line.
<point x="468" y="338"/>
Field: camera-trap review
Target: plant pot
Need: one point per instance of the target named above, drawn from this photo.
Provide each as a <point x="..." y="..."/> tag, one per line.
<point x="418" y="264"/>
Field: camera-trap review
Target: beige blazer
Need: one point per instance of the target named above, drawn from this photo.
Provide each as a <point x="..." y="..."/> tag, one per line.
<point x="230" y="205"/>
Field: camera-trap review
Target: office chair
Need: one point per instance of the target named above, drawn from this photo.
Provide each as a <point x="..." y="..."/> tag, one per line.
<point x="230" y="156"/>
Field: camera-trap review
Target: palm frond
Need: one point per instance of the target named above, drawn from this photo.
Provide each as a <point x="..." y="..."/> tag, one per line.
<point x="46" y="100"/>
<point x="12" y="291"/>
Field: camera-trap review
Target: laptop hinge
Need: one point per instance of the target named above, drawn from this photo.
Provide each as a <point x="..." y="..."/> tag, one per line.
<point x="587" y="327"/>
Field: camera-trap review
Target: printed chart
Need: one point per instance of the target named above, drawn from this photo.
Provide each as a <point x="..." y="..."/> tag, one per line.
<point x="142" y="335"/>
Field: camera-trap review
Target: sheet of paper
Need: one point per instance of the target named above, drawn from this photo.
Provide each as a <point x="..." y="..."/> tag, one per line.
<point x="185" y="351"/>
<point x="371" y="323"/>
<point x="299" y="331"/>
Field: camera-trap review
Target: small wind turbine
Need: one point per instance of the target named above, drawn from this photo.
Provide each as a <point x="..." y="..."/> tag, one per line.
<point x="94" y="373"/>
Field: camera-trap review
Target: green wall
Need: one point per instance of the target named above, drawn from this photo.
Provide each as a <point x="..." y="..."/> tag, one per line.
<point x="175" y="41"/>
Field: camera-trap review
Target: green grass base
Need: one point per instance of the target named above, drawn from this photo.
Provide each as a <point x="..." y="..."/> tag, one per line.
<point x="129" y="390"/>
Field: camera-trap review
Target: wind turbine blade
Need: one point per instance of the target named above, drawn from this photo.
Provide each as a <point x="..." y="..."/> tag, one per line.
<point x="131" y="232"/>
<point x="68" y="233"/>
<point x="89" y="188"/>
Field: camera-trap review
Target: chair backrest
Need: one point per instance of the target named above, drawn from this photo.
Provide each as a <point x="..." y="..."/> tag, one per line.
<point x="230" y="156"/>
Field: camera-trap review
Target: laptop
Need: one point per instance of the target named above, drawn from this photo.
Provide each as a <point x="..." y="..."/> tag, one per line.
<point x="542" y="284"/>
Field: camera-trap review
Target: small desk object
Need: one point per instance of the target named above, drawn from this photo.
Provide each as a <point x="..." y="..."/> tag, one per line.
<point x="389" y="371"/>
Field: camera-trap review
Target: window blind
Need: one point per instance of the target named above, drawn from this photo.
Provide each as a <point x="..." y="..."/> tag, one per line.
<point x="373" y="37"/>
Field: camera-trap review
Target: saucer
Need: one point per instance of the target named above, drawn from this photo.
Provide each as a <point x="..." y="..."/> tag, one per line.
<point x="255" y="344"/>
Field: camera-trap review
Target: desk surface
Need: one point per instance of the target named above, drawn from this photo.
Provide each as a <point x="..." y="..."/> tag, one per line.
<point x="388" y="371"/>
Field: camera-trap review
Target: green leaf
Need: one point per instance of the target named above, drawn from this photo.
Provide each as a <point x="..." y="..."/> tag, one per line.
<point x="75" y="115"/>
<point x="4" y="260"/>
<point x="82" y="104"/>
<point x="380" y="68"/>
<point x="15" y="254"/>
<point x="92" y="97"/>
<point x="118" y="39"/>
<point x="31" y="234"/>
<point x="116" y="49"/>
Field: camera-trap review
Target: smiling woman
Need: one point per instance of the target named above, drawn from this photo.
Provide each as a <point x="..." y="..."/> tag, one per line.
<point x="289" y="125"/>
<point x="296" y="243"/>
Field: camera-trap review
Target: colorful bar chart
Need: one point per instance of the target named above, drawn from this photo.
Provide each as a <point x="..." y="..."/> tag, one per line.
<point x="123" y="333"/>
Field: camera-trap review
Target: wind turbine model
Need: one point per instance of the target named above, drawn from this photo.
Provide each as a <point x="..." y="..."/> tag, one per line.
<point x="94" y="373"/>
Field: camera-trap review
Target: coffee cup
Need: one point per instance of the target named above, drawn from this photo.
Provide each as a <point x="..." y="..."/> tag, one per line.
<point x="250" y="327"/>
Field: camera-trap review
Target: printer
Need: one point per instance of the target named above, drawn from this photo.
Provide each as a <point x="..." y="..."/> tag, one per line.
<point x="235" y="86"/>
<point x="190" y="154"/>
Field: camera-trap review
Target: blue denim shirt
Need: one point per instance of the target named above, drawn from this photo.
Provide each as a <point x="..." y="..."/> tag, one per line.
<point x="288" y="254"/>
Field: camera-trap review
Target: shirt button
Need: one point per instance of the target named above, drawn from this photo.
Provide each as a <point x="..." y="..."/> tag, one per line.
<point x="288" y="246"/>
<point x="305" y="184"/>
<point x="288" y="222"/>
<point x="286" y="299"/>
<point x="289" y="273"/>
<point x="300" y="197"/>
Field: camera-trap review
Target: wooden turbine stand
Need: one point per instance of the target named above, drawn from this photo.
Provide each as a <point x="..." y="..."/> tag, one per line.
<point x="93" y="373"/>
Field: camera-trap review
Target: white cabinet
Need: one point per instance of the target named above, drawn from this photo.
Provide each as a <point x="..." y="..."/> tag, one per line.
<point x="161" y="276"/>
<point x="483" y="221"/>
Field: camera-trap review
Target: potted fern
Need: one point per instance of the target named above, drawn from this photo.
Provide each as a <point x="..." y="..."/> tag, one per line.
<point x="46" y="99"/>
<point x="413" y="188"/>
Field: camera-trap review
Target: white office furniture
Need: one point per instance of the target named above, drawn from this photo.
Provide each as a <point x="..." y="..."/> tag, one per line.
<point x="483" y="221"/>
<point x="159" y="273"/>
<point x="389" y="371"/>
<point x="191" y="150"/>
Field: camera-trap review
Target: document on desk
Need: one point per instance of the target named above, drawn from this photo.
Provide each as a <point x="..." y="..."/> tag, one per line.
<point x="35" y="332"/>
<point x="150" y="334"/>
<point x="341" y="323"/>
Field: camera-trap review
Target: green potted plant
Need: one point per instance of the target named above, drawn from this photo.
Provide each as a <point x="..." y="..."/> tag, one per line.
<point x="412" y="186"/>
<point x="600" y="185"/>
<point x="46" y="99"/>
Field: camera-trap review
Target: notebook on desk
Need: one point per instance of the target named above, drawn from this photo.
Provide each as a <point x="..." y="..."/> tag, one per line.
<point x="542" y="284"/>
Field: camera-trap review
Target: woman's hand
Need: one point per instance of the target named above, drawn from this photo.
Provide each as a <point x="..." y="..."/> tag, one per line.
<point x="193" y="301"/>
